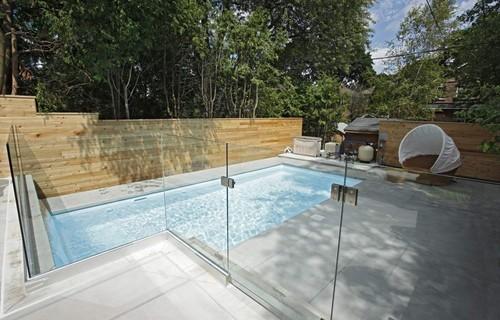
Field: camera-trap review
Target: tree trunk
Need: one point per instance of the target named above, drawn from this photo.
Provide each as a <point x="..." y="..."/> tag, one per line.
<point x="112" y="92"/>
<point x="164" y="84"/>
<point x="179" y="92"/>
<point x="7" y="68"/>
<point x="203" y="88"/>
<point x="115" y="88"/>
<point x="256" y="101"/>
<point x="14" y="55"/>
<point x="5" y="25"/>
<point x="14" y="61"/>
<point x="3" y="70"/>
<point x="118" y="103"/>
<point x="125" y="101"/>
<point x="172" y="92"/>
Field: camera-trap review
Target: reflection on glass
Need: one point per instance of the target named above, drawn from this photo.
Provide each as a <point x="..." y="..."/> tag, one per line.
<point x="282" y="243"/>
<point x="87" y="195"/>
<point x="195" y="200"/>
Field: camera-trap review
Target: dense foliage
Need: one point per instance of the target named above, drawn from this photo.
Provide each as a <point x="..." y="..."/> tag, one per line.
<point x="477" y="67"/>
<point x="247" y="58"/>
<point x="415" y="73"/>
<point x="186" y="58"/>
<point x="434" y="45"/>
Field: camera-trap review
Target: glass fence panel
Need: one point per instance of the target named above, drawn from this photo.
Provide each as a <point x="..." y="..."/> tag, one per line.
<point x="22" y="202"/>
<point x="283" y="230"/>
<point x="418" y="245"/>
<point x="412" y="243"/>
<point x="90" y="194"/>
<point x="195" y="200"/>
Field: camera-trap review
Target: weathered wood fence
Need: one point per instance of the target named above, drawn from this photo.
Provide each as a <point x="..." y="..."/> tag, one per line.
<point x="72" y="152"/>
<point x="68" y="153"/>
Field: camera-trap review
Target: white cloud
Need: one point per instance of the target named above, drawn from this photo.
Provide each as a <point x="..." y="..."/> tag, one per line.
<point x="373" y="19"/>
<point x="379" y="52"/>
<point x="387" y="16"/>
<point x="393" y="26"/>
<point x="378" y="65"/>
<point x="465" y="5"/>
<point x="398" y="16"/>
<point x="394" y="12"/>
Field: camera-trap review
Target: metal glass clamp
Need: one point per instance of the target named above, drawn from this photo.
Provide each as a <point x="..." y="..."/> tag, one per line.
<point x="344" y="194"/>
<point x="227" y="182"/>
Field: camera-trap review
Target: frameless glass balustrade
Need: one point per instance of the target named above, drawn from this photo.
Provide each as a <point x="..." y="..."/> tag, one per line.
<point x="86" y="195"/>
<point x="418" y="245"/>
<point x="195" y="200"/>
<point x="412" y="243"/>
<point x="22" y="192"/>
<point x="283" y="228"/>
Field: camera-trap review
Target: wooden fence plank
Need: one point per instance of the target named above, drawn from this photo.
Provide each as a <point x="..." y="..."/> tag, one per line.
<point x="68" y="153"/>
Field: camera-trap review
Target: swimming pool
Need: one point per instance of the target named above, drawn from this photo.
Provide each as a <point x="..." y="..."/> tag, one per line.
<point x="261" y="200"/>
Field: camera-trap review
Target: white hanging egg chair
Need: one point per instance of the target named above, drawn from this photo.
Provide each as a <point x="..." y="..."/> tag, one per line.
<point x="428" y="147"/>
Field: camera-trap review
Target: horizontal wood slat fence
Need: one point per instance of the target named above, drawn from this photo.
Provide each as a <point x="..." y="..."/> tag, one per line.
<point x="467" y="137"/>
<point x="17" y="106"/>
<point x="69" y="153"/>
<point x="73" y="152"/>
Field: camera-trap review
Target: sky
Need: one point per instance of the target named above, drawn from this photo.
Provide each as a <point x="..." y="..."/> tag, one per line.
<point x="387" y="16"/>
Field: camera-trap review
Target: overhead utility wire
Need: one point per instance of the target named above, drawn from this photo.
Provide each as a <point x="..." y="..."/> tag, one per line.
<point x="398" y="55"/>
<point x="423" y="51"/>
<point x="433" y="16"/>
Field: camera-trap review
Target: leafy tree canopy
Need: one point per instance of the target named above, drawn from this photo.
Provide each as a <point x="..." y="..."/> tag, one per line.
<point x="252" y="58"/>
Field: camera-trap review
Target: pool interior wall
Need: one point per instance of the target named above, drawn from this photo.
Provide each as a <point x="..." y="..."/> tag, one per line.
<point x="261" y="200"/>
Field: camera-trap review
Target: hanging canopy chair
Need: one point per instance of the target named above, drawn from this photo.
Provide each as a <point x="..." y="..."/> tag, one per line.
<point x="429" y="148"/>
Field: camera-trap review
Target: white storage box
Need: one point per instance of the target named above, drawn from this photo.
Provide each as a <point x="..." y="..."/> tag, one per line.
<point x="309" y="146"/>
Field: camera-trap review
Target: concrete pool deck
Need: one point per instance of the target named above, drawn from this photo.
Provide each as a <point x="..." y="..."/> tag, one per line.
<point x="154" y="278"/>
<point x="408" y="251"/>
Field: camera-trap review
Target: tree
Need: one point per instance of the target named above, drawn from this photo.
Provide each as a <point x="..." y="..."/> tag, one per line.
<point x="211" y="51"/>
<point x="423" y="29"/>
<point x="105" y="41"/>
<point x="475" y="48"/>
<point x="325" y="106"/>
<point x="280" y="98"/>
<point x="183" y="58"/>
<point x="23" y="40"/>
<point x="181" y="26"/>
<point x="248" y="67"/>
<point x="324" y="37"/>
<point x="477" y="67"/>
<point x="415" y="78"/>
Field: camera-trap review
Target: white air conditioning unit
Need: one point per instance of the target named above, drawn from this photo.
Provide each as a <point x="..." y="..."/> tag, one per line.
<point x="308" y="146"/>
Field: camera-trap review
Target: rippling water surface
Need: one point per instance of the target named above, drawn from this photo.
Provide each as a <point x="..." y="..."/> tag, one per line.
<point x="261" y="200"/>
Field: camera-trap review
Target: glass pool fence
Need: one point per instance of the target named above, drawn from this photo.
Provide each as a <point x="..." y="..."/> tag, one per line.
<point x="269" y="221"/>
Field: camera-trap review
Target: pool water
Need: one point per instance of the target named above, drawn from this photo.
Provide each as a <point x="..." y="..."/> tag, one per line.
<point x="261" y="200"/>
